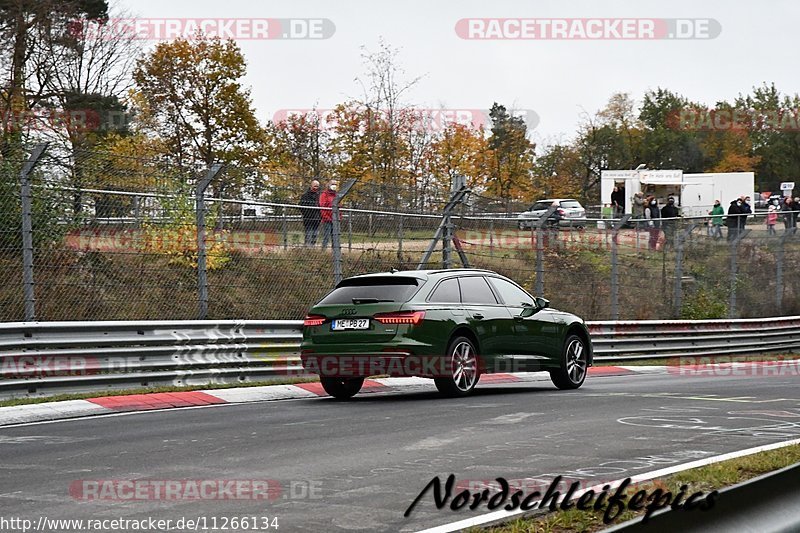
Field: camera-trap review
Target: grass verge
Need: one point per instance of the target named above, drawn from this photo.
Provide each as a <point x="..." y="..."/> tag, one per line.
<point x="706" y="479"/>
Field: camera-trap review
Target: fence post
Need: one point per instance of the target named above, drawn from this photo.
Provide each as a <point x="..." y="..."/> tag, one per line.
<point x="349" y="231"/>
<point x="27" y="231"/>
<point x="447" y="240"/>
<point x="734" y="267"/>
<point x="614" y="266"/>
<point x="537" y="227"/>
<point x="442" y="231"/>
<point x="677" y="297"/>
<point x="400" y="239"/>
<point x="491" y="237"/>
<point x="779" y="273"/>
<point x="284" y="230"/>
<point x="200" y="216"/>
<point x="336" y="243"/>
<point x="136" y="213"/>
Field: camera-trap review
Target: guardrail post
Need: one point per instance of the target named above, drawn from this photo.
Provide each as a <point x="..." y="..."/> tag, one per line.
<point x="734" y="267"/>
<point x="27" y="231"/>
<point x="680" y="238"/>
<point x="614" y="266"/>
<point x="200" y="215"/>
<point x="336" y="243"/>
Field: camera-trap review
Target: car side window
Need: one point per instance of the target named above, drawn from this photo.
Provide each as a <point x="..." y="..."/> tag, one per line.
<point x="475" y="290"/>
<point x="512" y="295"/>
<point x="446" y="292"/>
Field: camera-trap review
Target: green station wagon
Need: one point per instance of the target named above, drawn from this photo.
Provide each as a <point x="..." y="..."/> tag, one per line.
<point x="448" y="325"/>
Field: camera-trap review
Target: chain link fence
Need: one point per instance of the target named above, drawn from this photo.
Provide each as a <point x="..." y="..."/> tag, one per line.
<point x="98" y="236"/>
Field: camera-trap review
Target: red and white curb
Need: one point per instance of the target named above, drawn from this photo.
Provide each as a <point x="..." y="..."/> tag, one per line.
<point x="39" y="412"/>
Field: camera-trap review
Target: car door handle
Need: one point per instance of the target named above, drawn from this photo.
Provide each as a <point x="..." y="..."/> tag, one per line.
<point x="477" y="316"/>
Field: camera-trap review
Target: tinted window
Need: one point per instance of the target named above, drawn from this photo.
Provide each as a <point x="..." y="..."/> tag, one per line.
<point x="571" y="204"/>
<point x="393" y="289"/>
<point x="539" y="206"/>
<point x="446" y="292"/>
<point x="475" y="290"/>
<point x="511" y="294"/>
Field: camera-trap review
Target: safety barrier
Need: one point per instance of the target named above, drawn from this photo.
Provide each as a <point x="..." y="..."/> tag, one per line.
<point x="47" y="358"/>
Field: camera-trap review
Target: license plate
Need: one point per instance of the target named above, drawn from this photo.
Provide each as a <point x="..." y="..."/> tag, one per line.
<point x="350" y="323"/>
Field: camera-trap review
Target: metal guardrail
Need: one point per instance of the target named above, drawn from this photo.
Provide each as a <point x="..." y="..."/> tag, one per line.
<point x="767" y="504"/>
<point x="46" y="358"/>
<point x="647" y="339"/>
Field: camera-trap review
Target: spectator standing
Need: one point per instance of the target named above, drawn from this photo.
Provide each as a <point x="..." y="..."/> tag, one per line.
<point x="789" y="210"/>
<point x="653" y="216"/>
<point x="311" y="218"/>
<point x="746" y="210"/>
<point x="732" y="220"/>
<point x="637" y="209"/>
<point x="326" y="212"/>
<point x="716" y="213"/>
<point x="670" y="213"/>
<point x="772" y="219"/>
<point x="553" y="222"/>
<point x="618" y="201"/>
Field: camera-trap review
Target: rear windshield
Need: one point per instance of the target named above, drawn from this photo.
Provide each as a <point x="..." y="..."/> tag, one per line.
<point x="384" y="289"/>
<point x="570" y="204"/>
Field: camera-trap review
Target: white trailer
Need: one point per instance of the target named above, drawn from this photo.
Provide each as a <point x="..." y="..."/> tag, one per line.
<point x="694" y="193"/>
<point x="701" y="190"/>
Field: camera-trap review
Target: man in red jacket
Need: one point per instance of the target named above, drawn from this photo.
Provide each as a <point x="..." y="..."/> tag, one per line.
<point x="325" y="203"/>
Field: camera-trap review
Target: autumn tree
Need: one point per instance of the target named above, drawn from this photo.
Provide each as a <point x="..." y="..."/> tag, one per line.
<point x="774" y="132"/>
<point x="510" y="156"/>
<point x="556" y="172"/>
<point x="663" y="144"/>
<point x="28" y="29"/>
<point x="297" y="151"/>
<point x="459" y="150"/>
<point x="192" y="96"/>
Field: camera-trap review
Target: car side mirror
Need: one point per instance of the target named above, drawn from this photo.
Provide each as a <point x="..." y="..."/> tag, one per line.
<point x="542" y="303"/>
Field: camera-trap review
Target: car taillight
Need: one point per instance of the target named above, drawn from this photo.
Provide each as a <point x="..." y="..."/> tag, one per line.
<point x="313" y="320"/>
<point x="561" y="212"/>
<point x="405" y="317"/>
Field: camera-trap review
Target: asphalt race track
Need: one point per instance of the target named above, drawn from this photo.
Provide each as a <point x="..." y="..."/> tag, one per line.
<point x="357" y="466"/>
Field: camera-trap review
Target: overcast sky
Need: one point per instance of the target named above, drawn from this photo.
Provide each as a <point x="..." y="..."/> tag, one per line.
<point x="557" y="79"/>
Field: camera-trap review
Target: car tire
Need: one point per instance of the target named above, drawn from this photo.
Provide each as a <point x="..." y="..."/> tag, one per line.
<point x="462" y="359"/>
<point x="342" y="388"/>
<point x="573" y="366"/>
